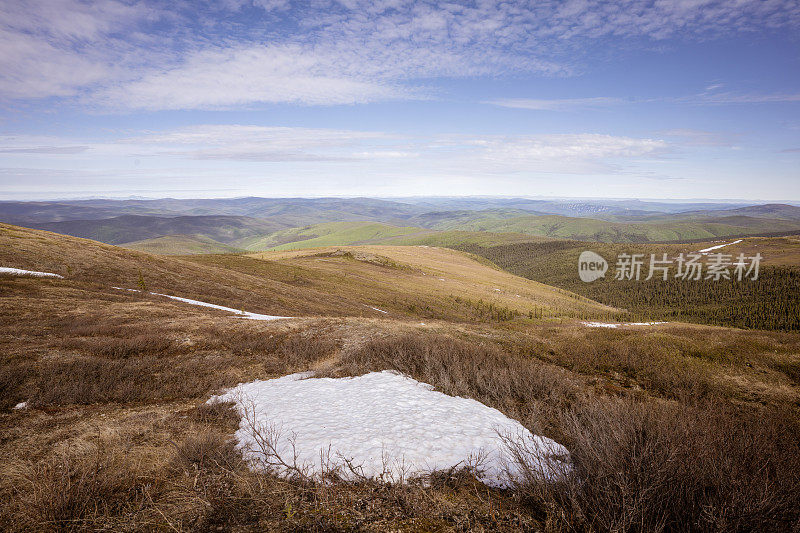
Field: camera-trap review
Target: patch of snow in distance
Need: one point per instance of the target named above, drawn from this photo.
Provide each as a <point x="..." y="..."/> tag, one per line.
<point x="243" y="314"/>
<point x="385" y="426"/>
<point x="706" y="250"/>
<point x="379" y="310"/>
<point x="611" y="325"/>
<point x="21" y="272"/>
<point x="20" y="406"/>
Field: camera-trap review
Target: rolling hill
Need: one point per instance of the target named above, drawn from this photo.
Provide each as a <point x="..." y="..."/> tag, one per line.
<point x="264" y="223"/>
<point x="292" y="284"/>
<point x="330" y="233"/>
<point x="181" y="245"/>
<point x="587" y="229"/>
<point x="132" y="228"/>
<point x="770" y="302"/>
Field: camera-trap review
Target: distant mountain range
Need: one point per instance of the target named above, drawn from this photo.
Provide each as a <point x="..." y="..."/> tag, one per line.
<point x="225" y="225"/>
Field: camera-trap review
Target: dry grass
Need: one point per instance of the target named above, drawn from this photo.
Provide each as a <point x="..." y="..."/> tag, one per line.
<point x="181" y="474"/>
<point x="649" y="466"/>
<point x="523" y="388"/>
<point x="657" y="467"/>
<point x="640" y="464"/>
<point x="435" y="275"/>
<point x="333" y="286"/>
<point x="675" y="427"/>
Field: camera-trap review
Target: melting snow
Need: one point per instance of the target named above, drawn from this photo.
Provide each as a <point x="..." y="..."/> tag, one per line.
<point x="243" y="314"/>
<point x="379" y="310"/>
<point x="706" y="250"/>
<point x="20" y="406"/>
<point x="21" y="272"/>
<point x="383" y="425"/>
<point x="608" y="325"/>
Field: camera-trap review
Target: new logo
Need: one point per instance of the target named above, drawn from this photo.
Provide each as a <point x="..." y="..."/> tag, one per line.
<point x="591" y="266"/>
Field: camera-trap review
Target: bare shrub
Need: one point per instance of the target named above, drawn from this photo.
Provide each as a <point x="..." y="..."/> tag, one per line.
<point x="216" y="412"/>
<point x="665" y="468"/>
<point x="520" y="387"/>
<point x="123" y="347"/>
<point x="12" y="384"/>
<point x="206" y="450"/>
<point x="73" y="490"/>
<point x="87" y="380"/>
<point x="299" y="351"/>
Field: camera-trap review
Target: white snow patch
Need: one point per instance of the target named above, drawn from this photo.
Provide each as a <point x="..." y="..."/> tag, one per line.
<point x="612" y="325"/>
<point x="21" y="272"/>
<point x="379" y="310"/>
<point x="382" y="426"/>
<point x="20" y="406"/>
<point x="242" y="314"/>
<point x="706" y="250"/>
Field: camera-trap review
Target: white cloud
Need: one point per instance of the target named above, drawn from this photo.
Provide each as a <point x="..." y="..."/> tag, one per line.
<point x="255" y="151"/>
<point x="733" y="98"/>
<point x="207" y="55"/>
<point x="221" y="78"/>
<point x="693" y="137"/>
<point x="561" y="104"/>
<point x="566" y="147"/>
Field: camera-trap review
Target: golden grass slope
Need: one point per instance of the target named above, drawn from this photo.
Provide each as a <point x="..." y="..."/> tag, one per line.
<point x="406" y="284"/>
<point x="440" y="273"/>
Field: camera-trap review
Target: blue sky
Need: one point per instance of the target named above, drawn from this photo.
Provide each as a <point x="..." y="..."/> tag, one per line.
<point x="639" y="99"/>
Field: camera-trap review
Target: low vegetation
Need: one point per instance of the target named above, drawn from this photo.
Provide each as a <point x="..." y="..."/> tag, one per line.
<point x="670" y="427"/>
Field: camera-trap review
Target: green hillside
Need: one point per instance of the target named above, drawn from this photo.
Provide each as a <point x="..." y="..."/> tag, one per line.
<point x="181" y="245"/>
<point x="330" y="234"/>
<point x="587" y="229"/>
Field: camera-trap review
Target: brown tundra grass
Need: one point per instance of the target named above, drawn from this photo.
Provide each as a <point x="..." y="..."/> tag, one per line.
<point x="637" y="466"/>
<point x="643" y="459"/>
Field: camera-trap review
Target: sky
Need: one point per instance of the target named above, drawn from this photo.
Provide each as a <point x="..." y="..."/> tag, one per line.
<point x="189" y="99"/>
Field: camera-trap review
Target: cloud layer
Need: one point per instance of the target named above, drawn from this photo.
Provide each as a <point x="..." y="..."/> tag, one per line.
<point x="155" y="54"/>
<point x="215" y="153"/>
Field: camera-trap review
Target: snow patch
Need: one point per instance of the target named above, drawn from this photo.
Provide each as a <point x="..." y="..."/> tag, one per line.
<point x="379" y="310"/>
<point x="612" y="325"/>
<point x="20" y="406"/>
<point x="706" y="250"/>
<point x="242" y="314"/>
<point x="383" y="426"/>
<point x="21" y="272"/>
